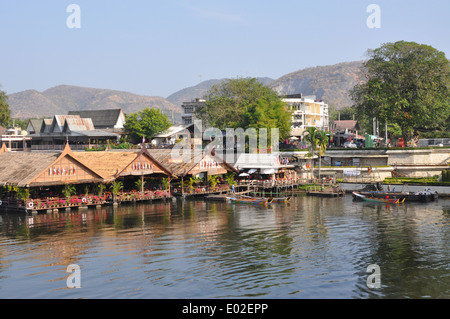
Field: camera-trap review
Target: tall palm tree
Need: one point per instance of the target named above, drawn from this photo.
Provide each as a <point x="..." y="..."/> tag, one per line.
<point x="310" y="135"/>
<point x="322" y="143"/>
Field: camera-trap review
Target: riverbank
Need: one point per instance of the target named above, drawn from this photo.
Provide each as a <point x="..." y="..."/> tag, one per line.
<point x="443" y="191"/>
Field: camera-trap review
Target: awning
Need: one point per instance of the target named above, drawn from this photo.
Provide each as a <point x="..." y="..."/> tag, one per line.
<point x="269" y="171"/>
<point x="243" y="174"/>
<point x="251" y="171"/>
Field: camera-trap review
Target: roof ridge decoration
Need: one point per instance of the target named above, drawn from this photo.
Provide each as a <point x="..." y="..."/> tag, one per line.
<point x="4" y="149"/>
<point x="211" y="152"/>
<point x="68" y="152"/>
<point x="145" y="152"/>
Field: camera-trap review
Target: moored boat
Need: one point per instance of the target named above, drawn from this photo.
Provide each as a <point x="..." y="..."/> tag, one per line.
<point x="280" y="199"/>
<point x="423" y="196"/>
<point x="249" y="200"/>
<point x="386" y="200"/>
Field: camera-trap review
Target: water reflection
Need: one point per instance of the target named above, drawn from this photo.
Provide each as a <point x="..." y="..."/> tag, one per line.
<point x="308" y="248"/>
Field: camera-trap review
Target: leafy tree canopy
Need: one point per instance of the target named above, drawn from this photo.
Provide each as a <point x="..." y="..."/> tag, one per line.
<point x="244" y="103"/>
<point x="407" y="84"/>
<point x="146" y="123"/>
<point x="5" y="112"/>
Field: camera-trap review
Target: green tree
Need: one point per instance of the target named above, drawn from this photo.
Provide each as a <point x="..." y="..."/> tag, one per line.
<point x="318" y="142"/>
<point x="146" y="123"/>
<point x="213" y="181"/>
<point x="230" y="179"/>
<point x="406" y="84"/>
<point x="166" y="183"/>
<point x="140" y="184"/>
<point x="310" y="136"/>
<point x="5" y="112"/>
<point x="244" y="103"/>
<point x="322" y="143"/>
<point x="69" y="190"/>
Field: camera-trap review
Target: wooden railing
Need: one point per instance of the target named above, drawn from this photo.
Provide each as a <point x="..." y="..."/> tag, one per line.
<point x="140" y="196"/>
<point x="196" y="190"/>
<point x="81" y="200"/>
<point x="60" y="202"/>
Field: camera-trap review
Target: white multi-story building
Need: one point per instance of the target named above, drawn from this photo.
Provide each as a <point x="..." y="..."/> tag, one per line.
<point x="188" y="115"/>
<point x="307" y="111"/>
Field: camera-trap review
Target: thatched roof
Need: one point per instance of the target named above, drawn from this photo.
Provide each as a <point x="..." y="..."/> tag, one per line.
<point x="183" y="163"/>
<point x="111" y="164"/>
<point x="24" y="168"/>
<point x="20" y="168"/>
<point x="107" y="164"/>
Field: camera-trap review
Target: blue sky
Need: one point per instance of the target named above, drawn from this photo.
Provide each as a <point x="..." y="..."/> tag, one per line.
<point x="159" y="47"/>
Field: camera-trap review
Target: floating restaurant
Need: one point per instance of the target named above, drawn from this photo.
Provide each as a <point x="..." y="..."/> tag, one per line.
<point x="35" y="180"/>
<point x="43" y="181"/>
<point x="197" y="171"/>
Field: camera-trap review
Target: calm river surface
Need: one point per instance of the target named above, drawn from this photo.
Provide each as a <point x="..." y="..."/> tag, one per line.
<point x="309" y="248"/>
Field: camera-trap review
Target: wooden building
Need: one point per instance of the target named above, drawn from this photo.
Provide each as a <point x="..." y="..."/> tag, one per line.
<point x="36" y="169"/>
<point x="129" y="167"/>
<point x="187" y="163"/>
<point x="54" y="133"/>
<point x="28" y="177"/>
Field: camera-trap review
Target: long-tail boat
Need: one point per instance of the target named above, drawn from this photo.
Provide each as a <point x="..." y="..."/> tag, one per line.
<point x="280" y="199"/>
<point x="386" y="200"/>
<point x="249" y="200"/>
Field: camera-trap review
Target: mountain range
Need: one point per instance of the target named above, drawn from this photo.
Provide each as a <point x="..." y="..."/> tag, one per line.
<point x="329" y="83"/>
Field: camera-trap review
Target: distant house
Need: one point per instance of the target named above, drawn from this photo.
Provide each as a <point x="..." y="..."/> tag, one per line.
<point x="344" y="130"/>
<point x="188" y="115"/>
<point x="306" y="111"/>
<point x="55" y="132"/>
<point x="111" y="120"/>
<point x="172" y="135"/>
<point x="344" y="126"/>
<point x="15" y="139"/>
<point x="34" y="126"/>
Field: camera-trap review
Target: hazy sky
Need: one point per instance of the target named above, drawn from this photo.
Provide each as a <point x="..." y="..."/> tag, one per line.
<point x="159" y="47"/>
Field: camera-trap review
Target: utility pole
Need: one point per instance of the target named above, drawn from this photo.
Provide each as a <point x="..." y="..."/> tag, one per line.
<point x="374" y="126"/>
<point x="386" y="134"/>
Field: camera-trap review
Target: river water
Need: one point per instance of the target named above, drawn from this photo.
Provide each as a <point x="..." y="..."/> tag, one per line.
<point x="309" y="248"/>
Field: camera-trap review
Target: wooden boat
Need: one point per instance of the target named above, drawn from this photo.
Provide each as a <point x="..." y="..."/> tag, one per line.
<point x="271" y="199"/>
<point x="379" y="200"/>
<point x="280" y="199"/>
<point x="376" y="191"/>
<point x="249" y="200"/>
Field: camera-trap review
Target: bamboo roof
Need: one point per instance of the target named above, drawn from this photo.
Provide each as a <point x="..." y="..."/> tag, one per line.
<point x="110" y="164"/>
<point x="107" y="164"/>
<point x="183" y="162"/>
<point x="23" y="168"/>
<point x="19" y="168"/>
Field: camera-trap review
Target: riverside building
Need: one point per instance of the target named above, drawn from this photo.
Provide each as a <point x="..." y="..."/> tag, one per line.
<point x="307" y="111"/>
